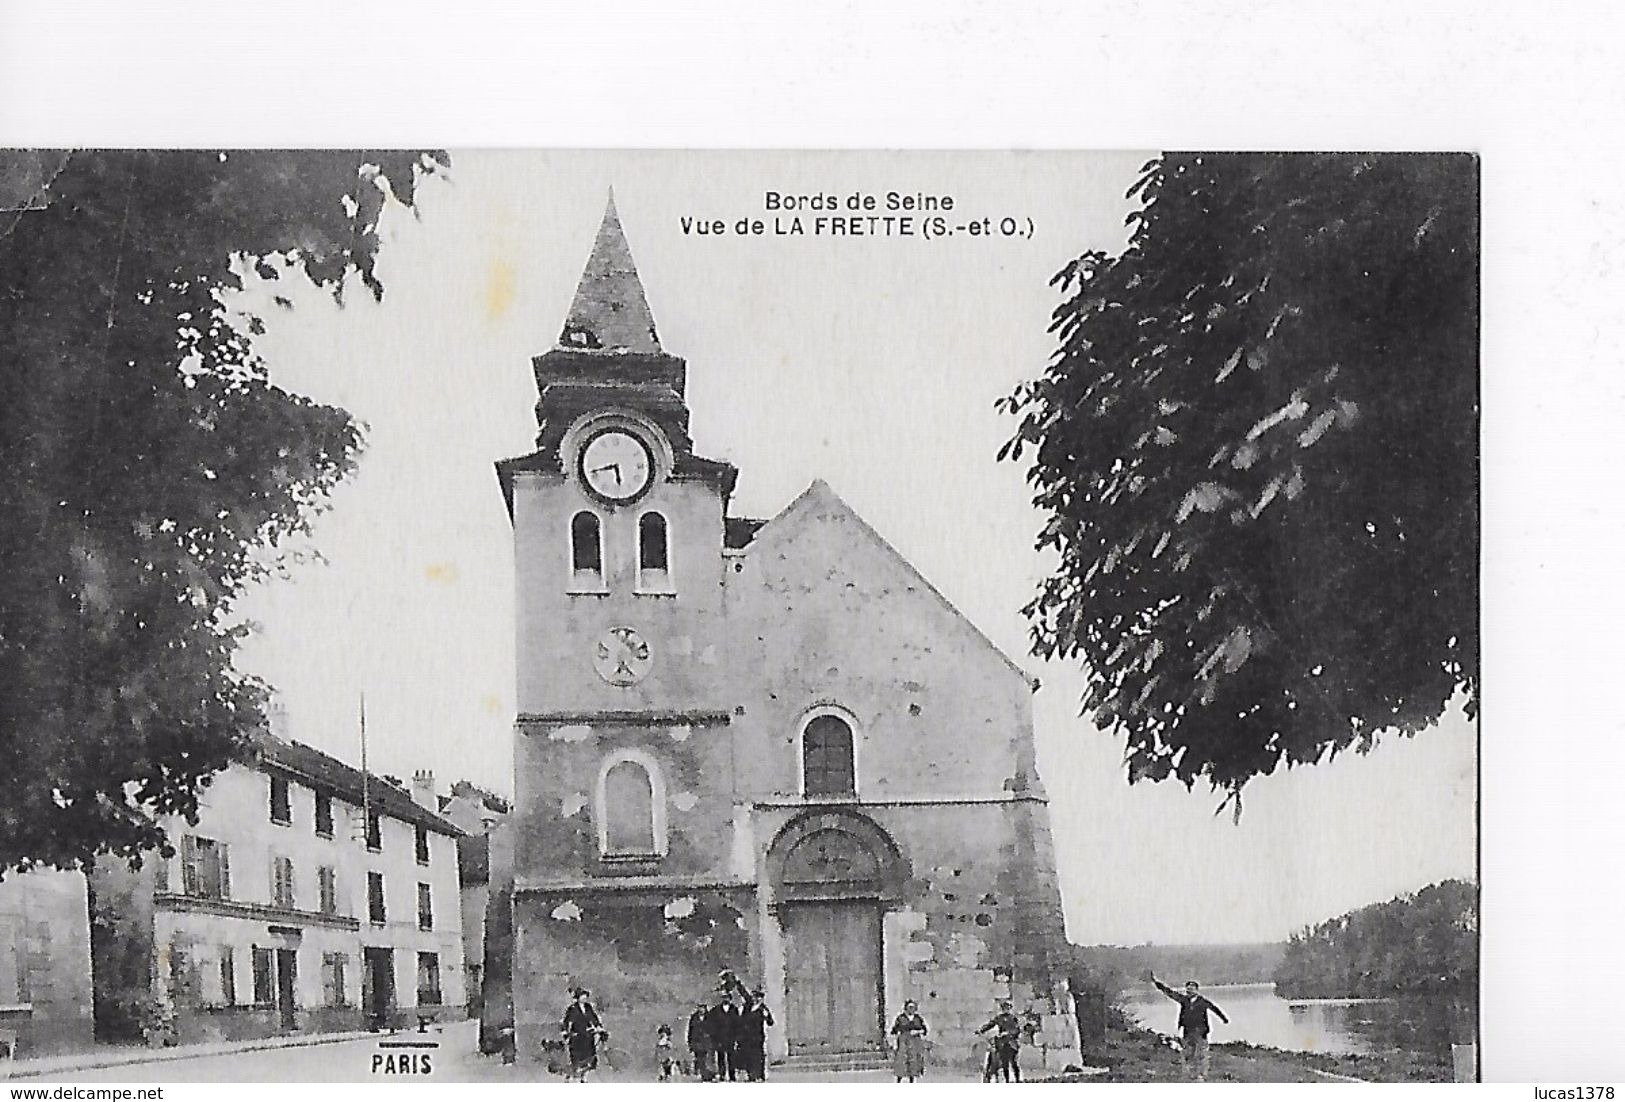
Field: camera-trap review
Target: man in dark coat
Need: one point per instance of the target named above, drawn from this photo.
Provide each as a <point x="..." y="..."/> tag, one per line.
<point x="752" y="1046"/>
<point x="1003" y="1060"/>
<point x="702" y="1049"/>
<point x="722" y="1021"/>
<point x="1193" y="1025"/>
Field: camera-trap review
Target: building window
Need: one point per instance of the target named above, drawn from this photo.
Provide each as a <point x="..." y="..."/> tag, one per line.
<point x="282" y="882"/>
<point x="375" y="898"/>
<point x="425" y="908"/>
<point x="586" y="551"/>
<point x="264" y="994"/>
<point x="333" y="979"/>
<point x="654" y="554"/>
<point x="327" y="886"/>
<point x="228" y="976"/>
<point x="421" y="842"/>
<point x="428" y="979"/>
<point x="324" y="814"/>
<point x="375" y="832"/>
<point x="281" y="807"/>
<point x="631" y="802"/>
<point x="827" y="767"/>
<point x="205" y="868"/>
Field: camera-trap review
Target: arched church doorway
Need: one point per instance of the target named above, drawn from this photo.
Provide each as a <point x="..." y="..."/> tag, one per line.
<point x="834" y="872"/>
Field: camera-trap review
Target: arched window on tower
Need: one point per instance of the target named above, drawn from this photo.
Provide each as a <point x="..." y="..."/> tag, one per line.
<point x="586" y="551"/>
<point x="654" y="554"/>
<point x="827" y="767"/>
<point x="630" y="796"/>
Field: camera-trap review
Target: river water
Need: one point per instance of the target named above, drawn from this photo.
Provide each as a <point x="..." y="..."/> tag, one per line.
<point x="1343" y="1026"/>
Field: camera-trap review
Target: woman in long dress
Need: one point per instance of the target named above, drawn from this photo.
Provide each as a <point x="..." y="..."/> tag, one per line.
<point x="908" y="1059"/>
<point x="582" y="1031"/>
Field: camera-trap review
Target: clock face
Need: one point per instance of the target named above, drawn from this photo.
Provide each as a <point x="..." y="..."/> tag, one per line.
<point x="622" y="656"/>
<point x="616" y="465"/>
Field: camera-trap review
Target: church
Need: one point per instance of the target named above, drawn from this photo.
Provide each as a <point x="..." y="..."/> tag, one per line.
<point x="768" y="746"/>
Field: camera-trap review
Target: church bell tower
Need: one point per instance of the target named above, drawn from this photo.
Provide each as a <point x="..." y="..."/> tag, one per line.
<point x="618" y="524"/>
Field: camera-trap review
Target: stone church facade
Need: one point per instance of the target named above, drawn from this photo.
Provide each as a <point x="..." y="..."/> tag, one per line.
<point x="768" y="746"/>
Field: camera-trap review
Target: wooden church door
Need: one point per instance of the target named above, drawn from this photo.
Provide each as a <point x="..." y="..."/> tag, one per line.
<point x="832" y="974"/>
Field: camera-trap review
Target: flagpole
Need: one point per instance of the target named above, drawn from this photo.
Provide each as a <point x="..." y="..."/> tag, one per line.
<point x="366" y="794"/>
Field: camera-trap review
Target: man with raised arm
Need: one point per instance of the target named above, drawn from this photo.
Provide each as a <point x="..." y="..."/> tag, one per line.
<point x="1193" y="1027"/>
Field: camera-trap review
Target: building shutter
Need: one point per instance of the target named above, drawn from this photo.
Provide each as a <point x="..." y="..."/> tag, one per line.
<point x="188" y="865"/>
<point x="586" y="548"/>
<point x="263" y="995"/>
<point x="375" y="897"/>
<point x="225" y="869"/>
<point x="827" y="765"/>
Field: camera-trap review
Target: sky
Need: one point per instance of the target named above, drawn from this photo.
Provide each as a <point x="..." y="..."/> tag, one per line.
<point x="872" y="363"/>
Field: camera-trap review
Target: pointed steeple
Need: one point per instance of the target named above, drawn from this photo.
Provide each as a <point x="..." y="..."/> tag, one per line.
<point x="608" y="358"/>
<point x="610" y="312"/>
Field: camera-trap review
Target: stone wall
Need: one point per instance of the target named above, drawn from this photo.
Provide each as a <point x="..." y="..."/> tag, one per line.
<point x="557" y="629"/>
<point x="977" y="920"/>
<point x="818" y="612"/>
<point x="45" y="989"/>
<point x="828" y="613"/>
<point x="645" y="956"/>
<point x="559" y="772"/>
<point x="496" y="988"/>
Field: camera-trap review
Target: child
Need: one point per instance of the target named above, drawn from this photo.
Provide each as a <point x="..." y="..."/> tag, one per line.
<point x="663" y="1052"/>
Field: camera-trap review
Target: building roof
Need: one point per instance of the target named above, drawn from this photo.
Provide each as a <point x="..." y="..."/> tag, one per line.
<point x="610" y="312"/>
<point x="737" y="532"/>
<point x="328" y="774"/>
<point x="819" y="495"/>
<point x="483" y="796"/>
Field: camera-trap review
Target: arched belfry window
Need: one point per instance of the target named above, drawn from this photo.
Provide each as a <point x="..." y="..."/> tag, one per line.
<point x="654" y="554"/>
<point x="631" y="808"/>
<point x="586" y="550"/>
<point x="827" y="763"/>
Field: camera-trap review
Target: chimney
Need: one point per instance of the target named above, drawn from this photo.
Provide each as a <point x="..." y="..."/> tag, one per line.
<point x="276" y="717"/>
<point x="423" y="789"/>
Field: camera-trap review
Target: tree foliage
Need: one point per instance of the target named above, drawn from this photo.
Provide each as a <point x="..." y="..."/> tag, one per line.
<point x="1256" y="449"/>
<point x="1426" y="943"/>
<point x="151" y="468"/>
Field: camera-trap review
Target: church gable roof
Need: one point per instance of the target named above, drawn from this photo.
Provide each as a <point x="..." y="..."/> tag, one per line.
<point x="819" y="497"/>
<point x="610" y="312"/>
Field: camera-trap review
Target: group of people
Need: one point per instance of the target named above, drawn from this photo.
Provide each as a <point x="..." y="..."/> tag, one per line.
<point x="727" y="1035"/>
<point x="727" y="1038"/>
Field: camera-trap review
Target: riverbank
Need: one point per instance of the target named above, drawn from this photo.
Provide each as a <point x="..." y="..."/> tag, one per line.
<point x="1134" y="1054"/>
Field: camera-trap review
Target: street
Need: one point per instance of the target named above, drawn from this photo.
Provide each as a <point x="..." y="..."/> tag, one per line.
<point x="403" y="1057"/>
<point x="455" y="1057"/>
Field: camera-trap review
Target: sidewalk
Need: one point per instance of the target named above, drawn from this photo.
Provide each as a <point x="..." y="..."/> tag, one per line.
<point x="118" y="1056"/>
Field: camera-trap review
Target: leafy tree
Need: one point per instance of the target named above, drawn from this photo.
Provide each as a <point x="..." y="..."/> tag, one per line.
<point x="1423" y="943"/>
<point x="1257" y="450"/>
<point x="151" y="469"/>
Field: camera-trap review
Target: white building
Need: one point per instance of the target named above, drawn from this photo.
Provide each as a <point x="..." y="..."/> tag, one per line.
<point x="286" y="908"/>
